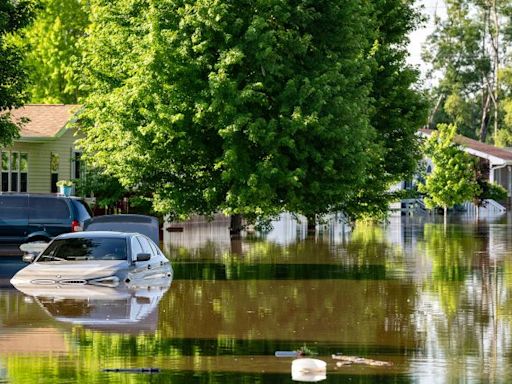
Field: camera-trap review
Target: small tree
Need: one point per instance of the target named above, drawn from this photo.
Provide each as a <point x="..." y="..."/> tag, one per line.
<point x="452" y="180"/>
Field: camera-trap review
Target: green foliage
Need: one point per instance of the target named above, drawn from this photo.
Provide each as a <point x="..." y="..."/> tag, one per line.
<point x="249" y="107"/>
<point x="465" y="53"/>
<point x="53" y="52"/>
<point x="106" y="189"/>
<point x="448" y="248"/>
<point x="453" y="179"/>
<point x="454" y="50"/>
<point x="504" y="135"/>
<point x="306" y="351"/>
<point x="398" y="109"/>
<point x="14" y="15"/>
<point x="491" y="191"/>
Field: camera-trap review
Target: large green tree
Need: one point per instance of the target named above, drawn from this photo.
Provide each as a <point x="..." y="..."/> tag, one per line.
<point x="54" y="54"/>
<point x="250" y="107"/>
<point x="399" y="109"/>
<point x="14" y="15"/>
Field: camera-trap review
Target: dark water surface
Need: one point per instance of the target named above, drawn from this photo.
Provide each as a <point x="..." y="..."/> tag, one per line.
<point x="434" y="301"/>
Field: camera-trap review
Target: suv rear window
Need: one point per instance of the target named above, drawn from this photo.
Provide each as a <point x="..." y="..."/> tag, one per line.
<point x="83" y="210"/>
<point x="48" y="208"/>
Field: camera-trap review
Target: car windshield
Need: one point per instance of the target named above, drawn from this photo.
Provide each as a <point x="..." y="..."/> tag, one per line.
<point x="73" y="249"/>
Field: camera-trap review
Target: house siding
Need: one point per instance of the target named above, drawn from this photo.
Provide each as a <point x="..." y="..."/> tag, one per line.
<point x="503" y="177"/>
<point x="39" y="176"/>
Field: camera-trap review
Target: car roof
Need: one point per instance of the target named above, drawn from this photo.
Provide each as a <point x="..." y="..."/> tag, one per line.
<point x="96" y="235"/>
<point x="32" y="194"/>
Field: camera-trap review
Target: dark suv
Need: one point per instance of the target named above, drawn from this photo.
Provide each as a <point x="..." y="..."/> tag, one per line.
<point x="31" y="217"/>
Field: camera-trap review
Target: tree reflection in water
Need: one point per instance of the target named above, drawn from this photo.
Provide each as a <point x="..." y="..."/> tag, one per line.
<point x="434" y="301"/>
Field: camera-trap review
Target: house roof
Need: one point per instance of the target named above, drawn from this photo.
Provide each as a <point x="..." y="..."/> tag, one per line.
<point x="45" y="120"/>
<point x="495" y="155"/>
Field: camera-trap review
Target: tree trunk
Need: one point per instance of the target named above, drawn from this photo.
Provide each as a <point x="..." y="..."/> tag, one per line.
<point x="236" y="246"/>
<point x="430" y="123"/>
<point x="311" y="225"/>
<point x="484" y="123"/>
<point x="494" y="35"/>
<point x="496" y="47"/>
<point x="445" y="215"/>
<point x="235" y="226"/>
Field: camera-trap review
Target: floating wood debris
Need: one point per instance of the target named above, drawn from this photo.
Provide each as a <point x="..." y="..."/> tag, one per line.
<point x="349" y="360"/>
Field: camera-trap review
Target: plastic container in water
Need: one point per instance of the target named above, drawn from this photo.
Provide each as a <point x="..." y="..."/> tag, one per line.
<point x="309" y="370"/>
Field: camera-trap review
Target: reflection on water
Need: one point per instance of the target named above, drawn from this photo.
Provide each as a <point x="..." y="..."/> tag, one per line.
<point x="104" y="308"/>
<point x="432" y="300"/>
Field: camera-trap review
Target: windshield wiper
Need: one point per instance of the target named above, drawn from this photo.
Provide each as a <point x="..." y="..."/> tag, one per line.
<point x="53" y="257"/>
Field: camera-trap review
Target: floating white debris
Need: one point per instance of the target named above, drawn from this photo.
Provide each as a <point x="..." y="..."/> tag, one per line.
<point x="309" y="370"/>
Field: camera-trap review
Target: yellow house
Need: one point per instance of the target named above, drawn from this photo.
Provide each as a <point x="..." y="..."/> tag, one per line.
<point x="45" y="151"/>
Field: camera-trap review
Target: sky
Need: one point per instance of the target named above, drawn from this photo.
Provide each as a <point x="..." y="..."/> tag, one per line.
<point x="419" y="36"/>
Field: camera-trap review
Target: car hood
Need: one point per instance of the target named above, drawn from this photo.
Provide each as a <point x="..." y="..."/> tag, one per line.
<point x="69" y="272"/>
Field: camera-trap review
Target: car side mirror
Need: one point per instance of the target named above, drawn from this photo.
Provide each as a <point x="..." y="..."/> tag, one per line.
<point x="28" y="257"/>
<point x="143" y="256"/>
<point x="32" y="250"/>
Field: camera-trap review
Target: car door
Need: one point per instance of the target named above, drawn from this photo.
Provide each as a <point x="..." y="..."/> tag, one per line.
<point x="153" y="264"/>
<point x="146" y="249"/>
<point x="140" y="268"/>
<point x="13" y="218"/>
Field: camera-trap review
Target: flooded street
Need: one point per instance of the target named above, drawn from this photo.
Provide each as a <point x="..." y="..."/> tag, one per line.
<point x="434" y="301"/>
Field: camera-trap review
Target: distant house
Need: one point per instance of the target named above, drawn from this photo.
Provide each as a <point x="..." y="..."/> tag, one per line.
<point x="44" y="153"/>
<point x="497" y="168"/>
<point x="498" y="160"/>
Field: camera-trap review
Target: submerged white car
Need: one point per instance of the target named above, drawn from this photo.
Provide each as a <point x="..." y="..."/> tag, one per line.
<point x="97" y="258"/>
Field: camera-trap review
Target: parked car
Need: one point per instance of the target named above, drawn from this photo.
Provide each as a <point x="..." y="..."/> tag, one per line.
<point x="143" y="224"/>
<point x="31" y="217"/>
<point x="97" y="258"/>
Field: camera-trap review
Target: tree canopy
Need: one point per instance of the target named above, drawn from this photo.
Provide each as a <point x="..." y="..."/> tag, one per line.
<point x="453" y="179"/>
<point x="467" y="52"/>
<point x="251" y="107"/>
<point x="53" y="51"/>
<point x="14" y="15"/>
<point x="398" y="108"/>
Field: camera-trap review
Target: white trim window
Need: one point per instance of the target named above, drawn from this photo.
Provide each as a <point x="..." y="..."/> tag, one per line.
<point x="54" y="171"/>
<point x="77" y="165"/>
<point x="14" y="176"/>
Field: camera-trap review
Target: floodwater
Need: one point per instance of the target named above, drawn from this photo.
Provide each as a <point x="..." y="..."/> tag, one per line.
<point x="433" y="301"/>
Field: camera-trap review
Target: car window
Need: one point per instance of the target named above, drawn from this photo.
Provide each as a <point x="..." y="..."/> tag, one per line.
<point x="153" y="247"/>
<point x="136" y="248"/>
<point x="146" y="248"/>
<point x="74" y="249"/>
<point x="83" y="210"/>
<point x="48" y="208"/>
<point x="13" y="207"/>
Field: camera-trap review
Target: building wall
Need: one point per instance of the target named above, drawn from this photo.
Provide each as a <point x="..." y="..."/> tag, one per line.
<point x="503" y="176"/>
<point x="39" y="154"/>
